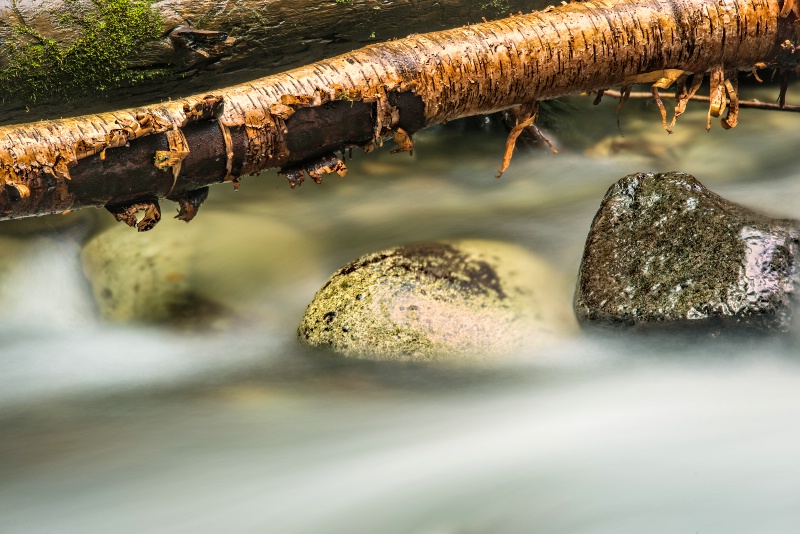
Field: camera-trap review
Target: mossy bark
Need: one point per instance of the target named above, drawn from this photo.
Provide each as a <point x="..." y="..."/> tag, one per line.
<point x="128" y="159"/>
<point x="138" y="51"/>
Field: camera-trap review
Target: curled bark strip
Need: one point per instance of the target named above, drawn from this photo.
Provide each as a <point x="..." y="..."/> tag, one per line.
<point x="680" y="83"/>
<point x="386" y="118"/>
<point x="16" y="191"/>
<point x="226" y="138"/>
<point x="189" y="203"/>
<point x="207" y="107"/>
<point x="683" y="97"/>
<point x="127" y="213"/>
<point x="731" y="88"/>
<point x="680" y="92"/>
<point x="754" y="72"/>
<point x="717" y="92"/>
<point x="329" y="163"/>
<point x="172" y="158"/>
<point x="403" y="141"/>
<point x="326" y="165"/>
<point x="599" y="97"/>
<point x="661" y="108"/>
<point x="281" y="110"/>
<point x="525" y="116"/>
<point x="717" y="95"/>
<point x="666" y="78"/>
<point x="142" y="123"/>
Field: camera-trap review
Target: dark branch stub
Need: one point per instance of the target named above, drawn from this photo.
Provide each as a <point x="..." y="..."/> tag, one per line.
<point x="189" y="203"/>
<point x="329" y="163"/>
<point x="127" y="213"/>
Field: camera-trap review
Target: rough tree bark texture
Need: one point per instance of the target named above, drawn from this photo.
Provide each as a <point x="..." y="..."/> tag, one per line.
<point x="296" y="120"/>
<point x="202" y="45"/>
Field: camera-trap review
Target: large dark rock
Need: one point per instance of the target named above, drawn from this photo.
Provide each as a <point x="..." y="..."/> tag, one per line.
<point x="665" y="251"/>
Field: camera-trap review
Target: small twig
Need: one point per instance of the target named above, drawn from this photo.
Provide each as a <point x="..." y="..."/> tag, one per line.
<point x="623" y="95"/>
<point x="537" y="133"/>
<point x="753" y="104"/>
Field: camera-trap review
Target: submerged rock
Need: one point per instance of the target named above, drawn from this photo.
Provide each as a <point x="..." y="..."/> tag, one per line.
<point x="214" y="271"/>
<point x="664" y="250"/>
<point x="461" y="299"/>
<point x="144" y="280"/>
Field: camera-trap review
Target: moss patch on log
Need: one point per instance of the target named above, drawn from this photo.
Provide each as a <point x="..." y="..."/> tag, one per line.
<point x="97" y="61"/>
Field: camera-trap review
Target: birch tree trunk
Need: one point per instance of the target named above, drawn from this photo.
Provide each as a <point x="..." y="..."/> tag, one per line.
<point x="132" y="52"/>
<point x="296" y="120"/>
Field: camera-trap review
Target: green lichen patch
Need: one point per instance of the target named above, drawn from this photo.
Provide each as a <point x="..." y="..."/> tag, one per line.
<point x="439" y="301"/>
<point x="109" y="32"/>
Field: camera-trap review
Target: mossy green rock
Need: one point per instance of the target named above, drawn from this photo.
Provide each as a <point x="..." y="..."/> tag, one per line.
<point x="665" y="251"/>
<point x="433" y="301"/>
<point x="221" y="265"/>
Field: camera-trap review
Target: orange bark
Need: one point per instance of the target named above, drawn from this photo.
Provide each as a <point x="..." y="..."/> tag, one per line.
<point x="401" y="85"/>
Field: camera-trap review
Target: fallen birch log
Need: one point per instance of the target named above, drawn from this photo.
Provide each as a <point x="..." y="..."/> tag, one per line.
<point x="107" y="54"/>
<point x="297" y="120"/>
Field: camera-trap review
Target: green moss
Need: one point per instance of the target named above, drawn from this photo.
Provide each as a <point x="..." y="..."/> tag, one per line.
<point x="110" y="31"/>
<point x="498" y="8"/>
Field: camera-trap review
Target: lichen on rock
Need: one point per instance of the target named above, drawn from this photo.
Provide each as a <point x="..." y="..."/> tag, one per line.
<point x="665" y="251"/>
<point x="438" y="301"/>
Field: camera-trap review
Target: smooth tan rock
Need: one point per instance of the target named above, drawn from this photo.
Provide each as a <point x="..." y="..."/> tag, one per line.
<point x="137" y="277"/>
<point x="448" y="300"/>
<point x="221" y="264"/>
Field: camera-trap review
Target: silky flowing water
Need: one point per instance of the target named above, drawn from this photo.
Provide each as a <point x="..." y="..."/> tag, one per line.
<point x="231" y="426"/>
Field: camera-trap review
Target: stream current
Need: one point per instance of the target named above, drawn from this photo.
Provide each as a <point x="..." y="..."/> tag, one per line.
<point x="122" y="428"/>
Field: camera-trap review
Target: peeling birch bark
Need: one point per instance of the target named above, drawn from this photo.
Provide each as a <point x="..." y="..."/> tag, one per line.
<point x="296" y="120"/>
<point x="206" y="44"/>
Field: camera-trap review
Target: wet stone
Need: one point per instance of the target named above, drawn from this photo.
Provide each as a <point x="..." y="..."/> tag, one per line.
<point x="664" y="251"/>
<point x="215" y="271"/>
<point x="438" y="301"/>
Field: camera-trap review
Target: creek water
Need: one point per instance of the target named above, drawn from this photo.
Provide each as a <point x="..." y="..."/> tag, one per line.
<point x="233" y="427"/>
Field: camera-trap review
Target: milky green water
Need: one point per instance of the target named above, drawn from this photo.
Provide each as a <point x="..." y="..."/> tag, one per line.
<point x="233" y="427"/>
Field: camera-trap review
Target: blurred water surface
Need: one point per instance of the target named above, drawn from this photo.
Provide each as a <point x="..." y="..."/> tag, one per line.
<point x="235" y="428"/>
